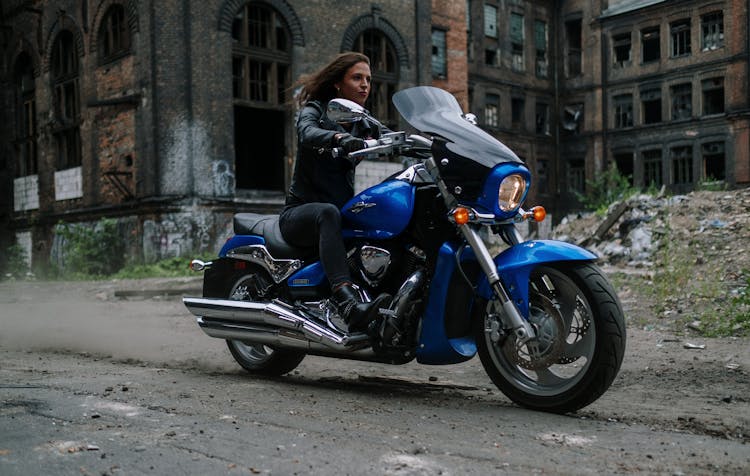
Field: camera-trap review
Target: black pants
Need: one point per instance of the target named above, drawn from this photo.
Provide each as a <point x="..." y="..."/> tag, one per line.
<point x="318" y="225"/>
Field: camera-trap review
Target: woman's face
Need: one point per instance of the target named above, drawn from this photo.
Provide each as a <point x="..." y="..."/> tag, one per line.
<point x="355" y="85"/>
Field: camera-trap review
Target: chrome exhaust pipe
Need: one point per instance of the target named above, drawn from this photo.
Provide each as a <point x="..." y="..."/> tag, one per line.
<point x="265" y="323"/>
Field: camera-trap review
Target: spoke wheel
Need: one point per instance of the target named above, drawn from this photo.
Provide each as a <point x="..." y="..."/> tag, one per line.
<point x="579" y="343"/>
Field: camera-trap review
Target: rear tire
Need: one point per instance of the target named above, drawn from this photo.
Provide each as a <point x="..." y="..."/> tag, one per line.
<point x="581" y="340"/>
<point x="259" y="359"/>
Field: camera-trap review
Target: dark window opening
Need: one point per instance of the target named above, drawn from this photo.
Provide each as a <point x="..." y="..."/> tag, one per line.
<point x="680" y="34"/>
<point x="540" y="42"/>
<point x="439" y="65"/>
<point x="491" y="110"/>
<point x="491" y="57"/>
<point x="682" y="101"/>
<point x="542" y="118"/>
<point x="624" y="164"/>
<point x="621" y="45"/>
<point x="577" y="175"/>
<point x="713" y="96"/>
<point x="652" y="168"/>
<point x="682" y="165"/>
<point x="574" y="37"/>
<point x="623" y="111"/>
<point x="651" y="106"/>
<point x="261" y="71"/>
<point x="27" y="161"/>
<point x="714" y="161"/>
<point x="712" y="31"/>
<point x="651" y="45"/>
<point x="517" y="106"/>
<point x="66" y="98"/>
<point x="114" y="35"/>
<point x="542" y="176"/>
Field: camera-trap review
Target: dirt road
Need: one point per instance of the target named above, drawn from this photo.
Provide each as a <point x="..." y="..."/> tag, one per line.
<point x="94" y="380"/>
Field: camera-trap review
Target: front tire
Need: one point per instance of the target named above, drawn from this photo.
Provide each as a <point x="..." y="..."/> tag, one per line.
<point x="580" y="340"/>
<point x="259" y="359"/>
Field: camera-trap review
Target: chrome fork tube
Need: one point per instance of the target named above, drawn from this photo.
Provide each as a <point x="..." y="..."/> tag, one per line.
<point x="521" y="327"/>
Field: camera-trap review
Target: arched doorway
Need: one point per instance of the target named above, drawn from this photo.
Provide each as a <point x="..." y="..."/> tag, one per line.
<point x="261" y="70"/>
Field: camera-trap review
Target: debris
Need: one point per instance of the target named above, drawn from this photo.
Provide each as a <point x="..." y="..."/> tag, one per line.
<point x="688" y="345"/>
<point x="727" y="399"/>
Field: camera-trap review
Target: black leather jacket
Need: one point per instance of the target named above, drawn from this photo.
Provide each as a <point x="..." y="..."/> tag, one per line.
<point x="318" y="176"/>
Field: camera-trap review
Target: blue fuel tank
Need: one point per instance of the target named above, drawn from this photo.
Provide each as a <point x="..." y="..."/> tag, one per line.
<point x="380" y="212"/>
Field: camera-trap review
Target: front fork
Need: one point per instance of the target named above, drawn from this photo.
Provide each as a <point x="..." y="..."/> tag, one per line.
<point x="521" y="327"/>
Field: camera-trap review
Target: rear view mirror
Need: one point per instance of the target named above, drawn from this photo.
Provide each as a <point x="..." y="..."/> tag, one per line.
<point x="343" y="111"/>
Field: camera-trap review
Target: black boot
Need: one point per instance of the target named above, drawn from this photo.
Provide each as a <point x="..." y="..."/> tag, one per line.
<point x="357" y="314"/>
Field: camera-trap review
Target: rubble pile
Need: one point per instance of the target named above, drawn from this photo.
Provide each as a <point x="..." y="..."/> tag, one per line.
<point x="696" y="247"/>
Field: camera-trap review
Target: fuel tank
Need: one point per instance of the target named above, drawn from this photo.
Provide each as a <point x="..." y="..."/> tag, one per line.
<point x="380" y="212"/>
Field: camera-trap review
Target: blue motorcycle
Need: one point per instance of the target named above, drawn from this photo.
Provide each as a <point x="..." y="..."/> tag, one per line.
<point x="546" y="323"/>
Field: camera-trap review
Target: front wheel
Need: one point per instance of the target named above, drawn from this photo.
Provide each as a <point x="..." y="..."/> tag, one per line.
<point x="579" y="345"/>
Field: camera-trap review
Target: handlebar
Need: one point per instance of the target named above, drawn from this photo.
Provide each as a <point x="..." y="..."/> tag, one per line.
<point x="388" y="144"/>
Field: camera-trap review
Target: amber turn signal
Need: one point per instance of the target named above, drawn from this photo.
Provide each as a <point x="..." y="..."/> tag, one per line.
<point x="538" y="213"/>
<point x="461" y="216"/>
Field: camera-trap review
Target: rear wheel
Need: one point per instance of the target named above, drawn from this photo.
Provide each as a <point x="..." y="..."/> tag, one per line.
<point x="579" y="346"/>
<point x="259" y="358"/>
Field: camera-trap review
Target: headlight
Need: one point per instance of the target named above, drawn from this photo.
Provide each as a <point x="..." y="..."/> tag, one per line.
<point x="511" y="192"/>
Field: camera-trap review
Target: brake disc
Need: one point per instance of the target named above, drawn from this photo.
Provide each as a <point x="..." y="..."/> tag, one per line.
<point x="546" y="348"/>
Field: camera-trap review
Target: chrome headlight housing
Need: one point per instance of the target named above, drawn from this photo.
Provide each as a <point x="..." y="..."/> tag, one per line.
<point x="511" y="193"/>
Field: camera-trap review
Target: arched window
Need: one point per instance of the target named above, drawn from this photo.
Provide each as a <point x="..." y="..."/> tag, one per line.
<point x="385" y="74"/>
<point x="114" y="34"/>
<point x="260" y="55"/>
<point x="261" y="71"/>
<point x="66" y="96"/>
<point x="26" y="147"/>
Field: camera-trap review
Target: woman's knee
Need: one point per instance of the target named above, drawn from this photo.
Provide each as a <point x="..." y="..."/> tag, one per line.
<point x="329" y="215"/>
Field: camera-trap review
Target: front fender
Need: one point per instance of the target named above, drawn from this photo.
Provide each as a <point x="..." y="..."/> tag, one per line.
<point x="516" y="263"/>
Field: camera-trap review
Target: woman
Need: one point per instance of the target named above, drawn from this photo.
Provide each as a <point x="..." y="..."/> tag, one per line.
<point x="322" y="184"/>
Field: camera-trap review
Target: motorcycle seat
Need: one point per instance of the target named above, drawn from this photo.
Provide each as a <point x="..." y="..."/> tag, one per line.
<point x="267" y="226"/>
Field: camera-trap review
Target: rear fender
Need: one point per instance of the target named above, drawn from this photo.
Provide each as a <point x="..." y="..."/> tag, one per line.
<point x="517" y="262"/>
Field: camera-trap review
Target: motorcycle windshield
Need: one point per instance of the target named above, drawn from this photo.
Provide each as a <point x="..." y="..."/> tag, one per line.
<point x="436" y="112"/>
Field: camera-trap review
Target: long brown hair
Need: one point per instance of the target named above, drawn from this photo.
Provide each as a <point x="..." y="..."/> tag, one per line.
<point x="319" y="86"/>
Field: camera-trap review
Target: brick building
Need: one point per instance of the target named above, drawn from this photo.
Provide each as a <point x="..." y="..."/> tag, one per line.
<point x="172" y="115"/>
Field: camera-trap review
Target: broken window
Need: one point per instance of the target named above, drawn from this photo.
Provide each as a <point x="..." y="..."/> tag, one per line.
<point x="682" y="101"/>
<point x="542" y="118"/>
<point x="682" y="165"/>
<point x="66" y="96"/>
<point x="517" y="106"/>
<point x="623" y="111"/>
<point x="490" y="21"/>
<point x="26" y="128"/>
<point x="650" y="44"/>
<point x="652" y="175"/>
<point x="621" y="45"/>
<point x="577" y="175"/>
<point x="491" y="57"/>
<point x="713" y="96"/>
<point x="260" y="56"/>
<point x="491" y="110"/>
<point x="114" y="34"/>
<point x="680" y="34"/>
<point x="651" y="105"/>
<point x="712" y="31"/>
<point x="573" y="46"/>
<point x="573" y="118"/>
<point x="517" y="34"/>
<point x="540" y="43"/>
<point x="714" y="161"/>
<point x="439" y="67"/>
